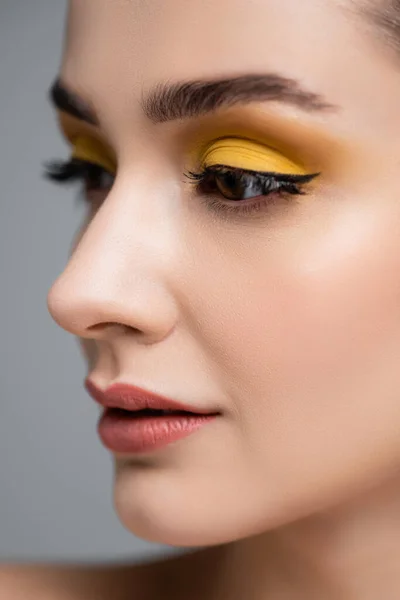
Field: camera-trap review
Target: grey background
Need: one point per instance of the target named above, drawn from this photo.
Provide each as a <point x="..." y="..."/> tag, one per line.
<point x="55" y="476"/>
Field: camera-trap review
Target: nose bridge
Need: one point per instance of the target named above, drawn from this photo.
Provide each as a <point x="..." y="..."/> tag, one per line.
<point x="118" y="270"/>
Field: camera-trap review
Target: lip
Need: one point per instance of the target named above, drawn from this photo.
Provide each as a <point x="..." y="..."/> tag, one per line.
<point x="133" y="398"/>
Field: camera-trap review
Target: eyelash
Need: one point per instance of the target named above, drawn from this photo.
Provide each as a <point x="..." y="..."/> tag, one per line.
<point x="76" y="169"/>
<point x="272" y="184"/>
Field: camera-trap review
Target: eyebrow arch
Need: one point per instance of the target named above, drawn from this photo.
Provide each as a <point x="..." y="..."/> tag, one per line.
<point x="180" y="100"/>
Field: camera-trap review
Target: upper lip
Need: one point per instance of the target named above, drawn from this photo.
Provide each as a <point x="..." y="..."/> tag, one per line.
<point x="130" y="397"/>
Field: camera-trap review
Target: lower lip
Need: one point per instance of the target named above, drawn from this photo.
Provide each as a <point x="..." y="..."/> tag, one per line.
<point x="123" y="433"/>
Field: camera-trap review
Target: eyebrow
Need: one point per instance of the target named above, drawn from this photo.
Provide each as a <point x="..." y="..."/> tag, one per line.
<point x="67" y="101"/>
<point x="180" y="100"/>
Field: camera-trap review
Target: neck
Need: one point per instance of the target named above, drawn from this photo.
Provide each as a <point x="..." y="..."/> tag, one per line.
<point x="348" y="553"/>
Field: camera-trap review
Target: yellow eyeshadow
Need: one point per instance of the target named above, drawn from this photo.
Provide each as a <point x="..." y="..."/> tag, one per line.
<point x="245" y="154"/>
<point x="89" y="149"/>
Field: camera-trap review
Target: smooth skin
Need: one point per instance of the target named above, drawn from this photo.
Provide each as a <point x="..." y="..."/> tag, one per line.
<point x="287" y="320"/>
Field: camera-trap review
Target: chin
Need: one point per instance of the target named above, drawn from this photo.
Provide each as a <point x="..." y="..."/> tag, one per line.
<point x="165" y="505"/>
<point x="196" y="506"/>
<point x="181" y="526"/>
<point x="165" y="511"/>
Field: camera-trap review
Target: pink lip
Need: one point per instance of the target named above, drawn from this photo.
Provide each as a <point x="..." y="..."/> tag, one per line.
<point x="138" y="434"/>
<point x="130" y="397"/>
<point x="141" y="432"/>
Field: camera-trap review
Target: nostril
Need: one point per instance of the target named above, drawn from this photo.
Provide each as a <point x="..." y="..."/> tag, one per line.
<point x="102" y="326"/>
<point x="107" y="325"/>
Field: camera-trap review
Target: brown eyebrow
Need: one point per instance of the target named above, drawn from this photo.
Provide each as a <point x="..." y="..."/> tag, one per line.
<point x="172" y="101"/>
<point x="67" y="101"/>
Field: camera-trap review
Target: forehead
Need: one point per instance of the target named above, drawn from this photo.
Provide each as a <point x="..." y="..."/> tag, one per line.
<point x="117" y="49"/>
<point x="157" y="39"/>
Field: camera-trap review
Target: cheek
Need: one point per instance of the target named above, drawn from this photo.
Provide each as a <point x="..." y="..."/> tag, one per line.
<point x="304" y="334"/>
<point x="310" y="324"/>
<point x="336" y="312"/>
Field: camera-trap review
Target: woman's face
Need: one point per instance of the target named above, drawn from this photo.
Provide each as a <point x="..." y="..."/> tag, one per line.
<point x="285" y="318"/>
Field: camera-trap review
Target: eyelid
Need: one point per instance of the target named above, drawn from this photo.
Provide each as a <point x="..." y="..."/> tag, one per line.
<point x="87" y="142"/>
<point x="89" y="149"/>
<point x="246" y="154"/>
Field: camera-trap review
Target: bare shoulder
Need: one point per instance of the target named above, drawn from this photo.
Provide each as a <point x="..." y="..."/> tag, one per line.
<point x="70" y="582"/>
<point x="164" y="578"/>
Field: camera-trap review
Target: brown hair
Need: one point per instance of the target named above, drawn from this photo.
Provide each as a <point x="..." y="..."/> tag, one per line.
<point x="384" y="16"/>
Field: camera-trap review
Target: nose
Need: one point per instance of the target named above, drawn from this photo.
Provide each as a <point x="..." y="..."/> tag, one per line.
<point x="118" y="277"/>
